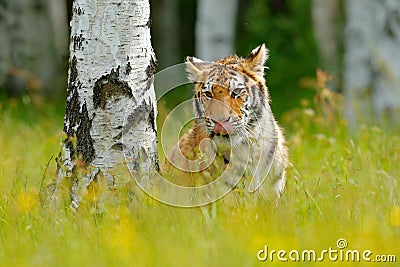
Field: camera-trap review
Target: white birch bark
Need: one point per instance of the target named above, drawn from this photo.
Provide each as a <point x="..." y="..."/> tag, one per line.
<point x="111" y="106"/>
<point x="372" y="60"/>
<point x="215" y="28"/>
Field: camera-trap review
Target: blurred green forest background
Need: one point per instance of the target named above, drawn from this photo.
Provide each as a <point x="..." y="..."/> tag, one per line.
<point x="340" y="184"/>
<point x="285" y="27"/>
<point x="356" y="42"/>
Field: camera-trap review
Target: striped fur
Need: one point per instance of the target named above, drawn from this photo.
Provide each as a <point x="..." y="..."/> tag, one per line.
<point x="231" y="98"/>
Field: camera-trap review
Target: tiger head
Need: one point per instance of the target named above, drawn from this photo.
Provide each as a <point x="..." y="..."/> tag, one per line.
<point x="230" y="94"/>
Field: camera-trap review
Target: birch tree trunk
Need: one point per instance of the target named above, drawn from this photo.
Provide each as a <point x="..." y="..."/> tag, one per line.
<point x="372" y="61"/>
<point x="28" y="58"/>
<point x="110" y="103"/>
<point x="215" y="28"/>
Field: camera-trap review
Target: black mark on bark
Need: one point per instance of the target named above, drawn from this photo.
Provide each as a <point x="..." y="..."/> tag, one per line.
<point x="84" y="144"/>
<point x="151" y="119"/>
<point x="140" y="114"/>
<point x="118" y="137"/>
<point x="109" y="86"/>
<point x="118" y="146"/>
<point x="78" y="11"/>
<point x="77" y="122"/>
<point x="72" y="107"/>
<point x="149" y="22"/>
<point x="78" y="40"/>
<point x="128" y="68"/>
<point x="72" y="86"/>
<point x="78" y="118"/>
<point x="151" y="68"/>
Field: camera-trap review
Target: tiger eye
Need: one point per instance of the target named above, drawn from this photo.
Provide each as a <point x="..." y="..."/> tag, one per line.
<point x="236" y="92"/>
<point x="208" y="94"/>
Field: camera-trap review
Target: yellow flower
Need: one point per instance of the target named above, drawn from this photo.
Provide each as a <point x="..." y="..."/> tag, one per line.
<point x="26" y="202"/>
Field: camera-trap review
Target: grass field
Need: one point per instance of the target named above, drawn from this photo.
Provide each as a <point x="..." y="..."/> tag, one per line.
<point x="340" y="186"/>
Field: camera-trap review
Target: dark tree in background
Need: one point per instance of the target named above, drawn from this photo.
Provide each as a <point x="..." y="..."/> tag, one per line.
<point x="173" y="34"/>
<point x="166" y="24"/>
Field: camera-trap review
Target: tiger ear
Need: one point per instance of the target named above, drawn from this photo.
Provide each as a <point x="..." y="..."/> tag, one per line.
<point x="257" y="58"/>
<point x="195" y="68"/>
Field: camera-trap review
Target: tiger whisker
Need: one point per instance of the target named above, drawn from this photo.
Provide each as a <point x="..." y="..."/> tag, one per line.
<point x="250" y="131"/>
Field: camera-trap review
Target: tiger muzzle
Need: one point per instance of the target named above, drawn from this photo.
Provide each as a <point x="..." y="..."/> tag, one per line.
<point x="223" y="128"/>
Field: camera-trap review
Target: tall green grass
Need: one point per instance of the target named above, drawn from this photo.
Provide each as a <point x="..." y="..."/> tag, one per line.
<point x="340" y="185"/>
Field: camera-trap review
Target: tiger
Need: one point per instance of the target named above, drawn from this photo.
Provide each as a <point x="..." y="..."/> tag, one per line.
<point x="232" y="110"/>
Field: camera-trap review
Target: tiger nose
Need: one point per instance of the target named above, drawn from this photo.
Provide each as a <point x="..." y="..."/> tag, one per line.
<point x="223" y="127"/>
